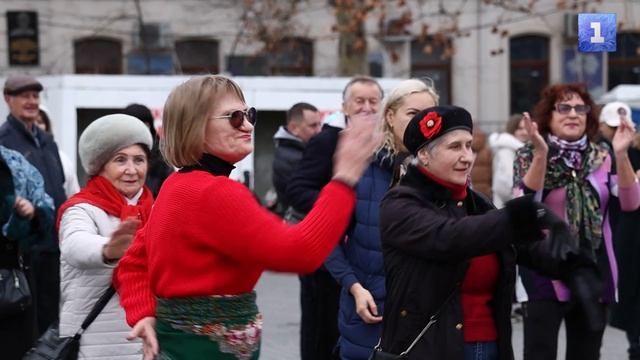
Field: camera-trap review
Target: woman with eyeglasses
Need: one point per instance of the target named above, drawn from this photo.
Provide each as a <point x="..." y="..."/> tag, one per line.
<point x="575" y="177"/>
<point x="187" y="281"/>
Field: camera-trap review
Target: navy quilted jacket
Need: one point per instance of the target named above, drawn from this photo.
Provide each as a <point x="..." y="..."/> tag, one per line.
<point x="359" y="259"/>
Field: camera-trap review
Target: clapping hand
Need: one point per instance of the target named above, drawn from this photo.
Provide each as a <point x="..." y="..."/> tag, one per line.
<point x="623" y="136"/>
<point x="539" y="145"/>
<point x="121" y="239"/>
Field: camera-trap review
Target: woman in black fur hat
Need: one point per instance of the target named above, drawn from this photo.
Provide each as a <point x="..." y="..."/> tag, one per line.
<point x="450" y="255"/>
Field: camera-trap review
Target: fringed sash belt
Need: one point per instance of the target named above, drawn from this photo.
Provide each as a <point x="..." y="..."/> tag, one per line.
<point x="224" y="327"/>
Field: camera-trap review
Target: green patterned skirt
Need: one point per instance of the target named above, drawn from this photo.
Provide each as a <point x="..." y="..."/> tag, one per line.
<point x="210" y="327"/>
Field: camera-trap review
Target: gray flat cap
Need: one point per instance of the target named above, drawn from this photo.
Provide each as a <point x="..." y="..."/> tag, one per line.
<point x="108" y="134"/>
<point x="17" y="84"/>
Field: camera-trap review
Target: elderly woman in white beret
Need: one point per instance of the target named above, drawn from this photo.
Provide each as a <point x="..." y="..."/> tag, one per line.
<point x="97" y="225"/>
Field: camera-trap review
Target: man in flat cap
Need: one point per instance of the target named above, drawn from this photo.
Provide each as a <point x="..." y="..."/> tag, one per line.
<point x="19" y="132"/>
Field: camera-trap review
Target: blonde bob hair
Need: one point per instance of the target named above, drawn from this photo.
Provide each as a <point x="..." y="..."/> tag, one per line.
<point x="185" y="114"/>
<point x="394" y="101"/>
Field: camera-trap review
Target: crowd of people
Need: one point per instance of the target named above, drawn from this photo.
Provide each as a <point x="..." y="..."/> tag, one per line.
<point x="412" y="231"/>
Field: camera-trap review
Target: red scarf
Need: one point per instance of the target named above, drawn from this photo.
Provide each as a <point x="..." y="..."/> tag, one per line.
<point x="101" y="193"/>
<point x="458" y="192"/>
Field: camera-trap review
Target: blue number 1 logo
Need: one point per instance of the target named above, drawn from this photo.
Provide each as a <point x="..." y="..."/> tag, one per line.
<point x="596" y="32"/>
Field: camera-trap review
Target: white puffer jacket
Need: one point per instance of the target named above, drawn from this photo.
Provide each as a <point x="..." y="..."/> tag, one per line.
<point x="84" y="229"/>
<point x="503" y="146"/>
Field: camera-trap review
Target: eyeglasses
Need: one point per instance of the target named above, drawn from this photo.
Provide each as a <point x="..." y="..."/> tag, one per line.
<point x="566" y="108"/>
<point x="236" y="118"/>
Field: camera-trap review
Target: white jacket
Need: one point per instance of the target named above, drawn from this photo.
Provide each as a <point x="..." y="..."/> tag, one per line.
<point x="70" y="184"/>
<point x="84" y="229"/>
<point x="503" y="146"/>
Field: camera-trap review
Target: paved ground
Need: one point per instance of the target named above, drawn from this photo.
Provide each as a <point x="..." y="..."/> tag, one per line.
<point x="279" y="303"/>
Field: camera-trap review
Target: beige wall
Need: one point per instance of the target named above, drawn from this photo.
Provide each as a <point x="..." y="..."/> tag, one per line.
<point x="479" y="82"/>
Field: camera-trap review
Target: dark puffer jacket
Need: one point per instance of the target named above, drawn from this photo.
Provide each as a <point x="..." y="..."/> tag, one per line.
<point x="359" y="259"/>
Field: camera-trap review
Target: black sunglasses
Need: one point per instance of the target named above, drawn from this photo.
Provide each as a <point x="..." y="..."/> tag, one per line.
<point x="236" y="118"/>
<point x="566" y="108"/>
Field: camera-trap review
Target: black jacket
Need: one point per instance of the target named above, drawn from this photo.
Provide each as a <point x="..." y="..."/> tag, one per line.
<point x="626" y="313"/>
<point x="41" y="151"/>
<point x="428" y="240"/>
<point x="287" y="155"/>
<point x="314" y="171"/>
<point x="158" y="171"/>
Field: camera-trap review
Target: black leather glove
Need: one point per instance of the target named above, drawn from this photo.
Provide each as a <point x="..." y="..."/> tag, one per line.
<point x="526" y="217"/>
<point x="586" y="287"/>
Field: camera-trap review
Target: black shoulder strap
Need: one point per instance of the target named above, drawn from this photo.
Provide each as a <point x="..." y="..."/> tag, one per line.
<point x="432" y="320"/>
<point x="97" y="308"/>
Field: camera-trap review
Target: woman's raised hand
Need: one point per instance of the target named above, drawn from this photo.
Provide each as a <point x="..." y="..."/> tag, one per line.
<point x="355" y="147"/>
<point x="623" y="136"/>
<point x="121" y="239"/>
<point x="539" y="145"/>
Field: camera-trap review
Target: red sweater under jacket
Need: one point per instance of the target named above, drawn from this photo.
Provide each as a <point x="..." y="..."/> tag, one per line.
<point x="478" y="289"/>
<point x="207" y="235"/>
<point x="479" y="284"/>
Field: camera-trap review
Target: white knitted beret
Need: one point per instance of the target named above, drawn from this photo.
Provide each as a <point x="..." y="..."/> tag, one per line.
<point x="108" y="134"/>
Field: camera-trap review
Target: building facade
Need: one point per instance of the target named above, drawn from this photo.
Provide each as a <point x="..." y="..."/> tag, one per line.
<point x="496" y="60"/>
<point x="491" y="57"/>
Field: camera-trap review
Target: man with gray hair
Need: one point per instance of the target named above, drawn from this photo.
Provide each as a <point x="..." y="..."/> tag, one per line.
<point x="19" y="133"/>
<point x="319" y="291"/>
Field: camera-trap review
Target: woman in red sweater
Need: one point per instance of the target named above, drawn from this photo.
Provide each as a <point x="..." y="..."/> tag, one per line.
<point x="187" y="281"/>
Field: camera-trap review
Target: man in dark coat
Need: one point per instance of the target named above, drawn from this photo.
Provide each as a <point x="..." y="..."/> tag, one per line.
<point x="303" y="122"/>
<point x="19" y="132"/>
<point x="319" y="292"/>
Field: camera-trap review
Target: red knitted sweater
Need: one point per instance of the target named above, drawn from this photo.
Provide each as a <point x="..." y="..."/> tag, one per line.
<point x="207" y="235"/>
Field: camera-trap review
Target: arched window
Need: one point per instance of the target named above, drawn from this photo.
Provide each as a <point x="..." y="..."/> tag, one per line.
<point x="529" y="56"/>
<point x="624" y="63"/>
<point x="198" y="56"/>
<point x="432" y="58"/>
<point x="97" y="55"/>
<point x="292" y="57"/>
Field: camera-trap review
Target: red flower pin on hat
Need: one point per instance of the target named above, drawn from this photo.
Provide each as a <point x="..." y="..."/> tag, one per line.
<point x="430" y="124"/>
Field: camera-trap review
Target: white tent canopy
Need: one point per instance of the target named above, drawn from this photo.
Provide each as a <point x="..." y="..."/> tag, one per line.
<point x="629" y="94"/>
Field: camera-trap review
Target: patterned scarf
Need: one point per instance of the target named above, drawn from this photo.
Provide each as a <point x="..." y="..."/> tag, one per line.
<point x="569" y="151"/>
<point x="563" y="171"/>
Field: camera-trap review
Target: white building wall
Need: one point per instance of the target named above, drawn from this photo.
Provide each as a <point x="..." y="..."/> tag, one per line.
<point x="479" y="81"/>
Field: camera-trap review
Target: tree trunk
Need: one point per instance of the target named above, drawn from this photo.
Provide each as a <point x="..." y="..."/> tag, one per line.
<point x="352" y="43"/>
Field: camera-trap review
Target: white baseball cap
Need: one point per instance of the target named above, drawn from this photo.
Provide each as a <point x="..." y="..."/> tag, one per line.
<point x="611" y="113"/>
